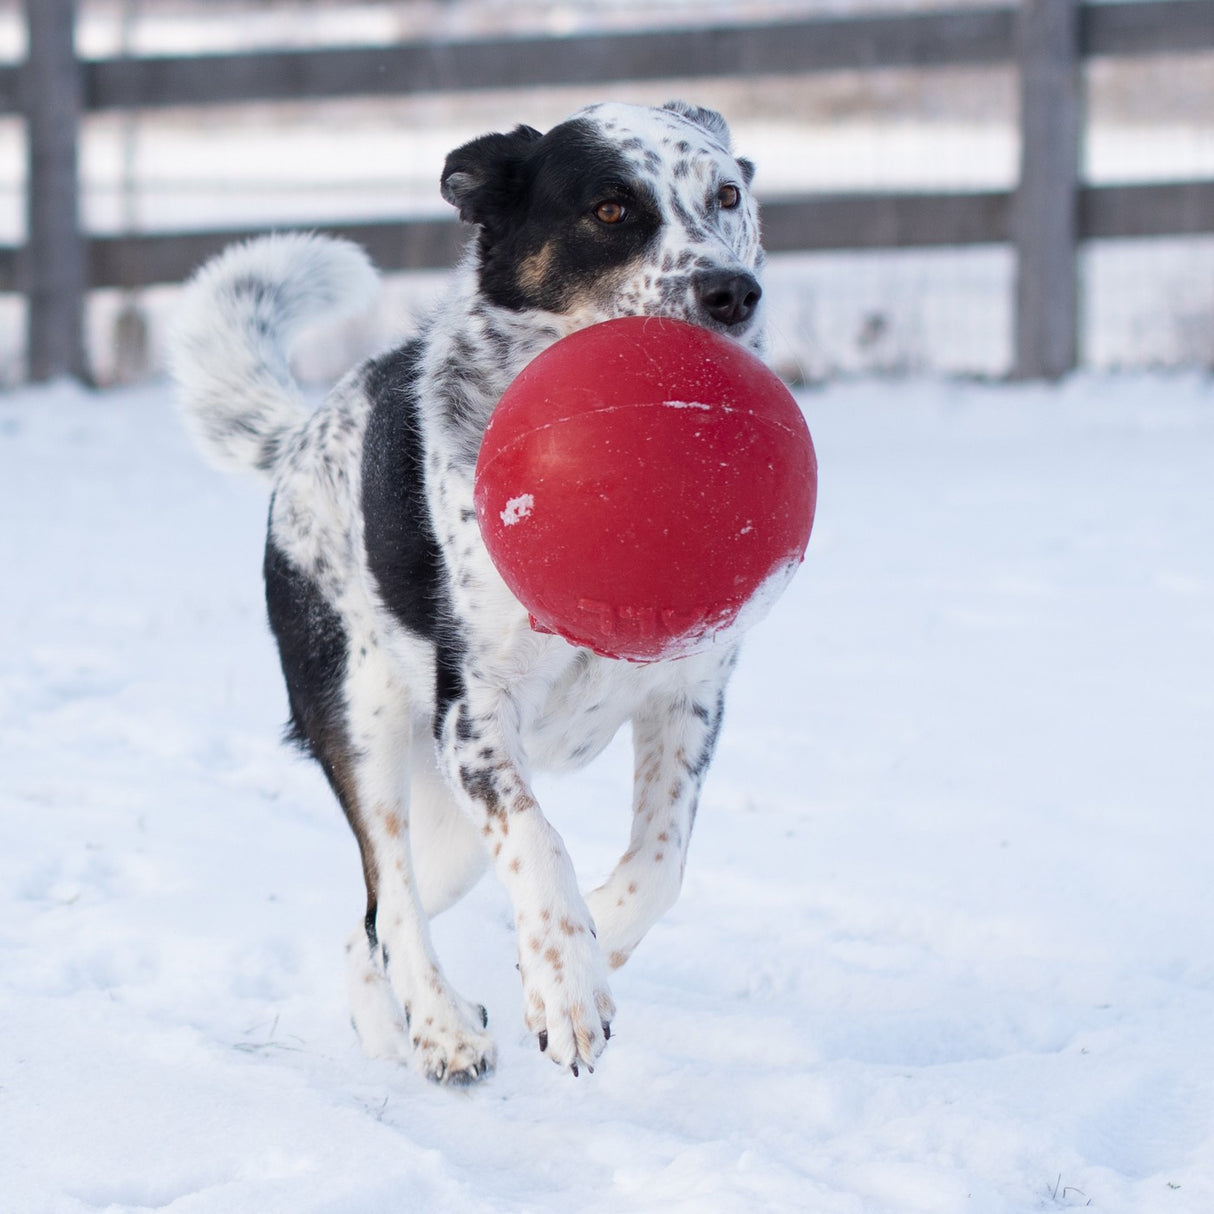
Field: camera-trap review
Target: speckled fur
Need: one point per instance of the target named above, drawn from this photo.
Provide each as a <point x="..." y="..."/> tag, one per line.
<point x="413" y="675"/>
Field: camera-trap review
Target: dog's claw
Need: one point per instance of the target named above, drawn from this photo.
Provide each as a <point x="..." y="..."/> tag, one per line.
<point x="465" y="1077"/>
<point x="606" y="1031"/>
<point x="573" y="1068"/>
<point x="484" y="1011"/>
<point x="543" y="1041"/>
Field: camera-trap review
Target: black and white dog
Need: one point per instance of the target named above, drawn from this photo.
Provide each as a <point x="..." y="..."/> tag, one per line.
<point x="413" y="676"/>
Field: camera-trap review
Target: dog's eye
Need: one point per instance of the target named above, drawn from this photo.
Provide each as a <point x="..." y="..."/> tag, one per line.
<point x="728" y="197"/>
<point x="610" y="212"/>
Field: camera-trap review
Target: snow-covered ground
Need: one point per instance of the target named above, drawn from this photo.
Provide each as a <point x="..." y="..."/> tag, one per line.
<point x="945" y="943"/>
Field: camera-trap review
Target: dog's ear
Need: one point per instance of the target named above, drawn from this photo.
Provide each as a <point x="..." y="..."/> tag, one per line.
<point x="483" y="176"/>
<point x="716" y="126"/>
<point x="710" y="120"/>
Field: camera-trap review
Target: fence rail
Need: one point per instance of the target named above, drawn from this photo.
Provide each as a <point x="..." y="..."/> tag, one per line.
<point x="1046" y="217"/>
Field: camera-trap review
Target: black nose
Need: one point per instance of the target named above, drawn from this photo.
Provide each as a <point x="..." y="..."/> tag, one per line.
<point x="726" y="295"/>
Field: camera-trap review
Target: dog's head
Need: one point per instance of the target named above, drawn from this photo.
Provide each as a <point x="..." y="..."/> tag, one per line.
<point x="622" y="210"/>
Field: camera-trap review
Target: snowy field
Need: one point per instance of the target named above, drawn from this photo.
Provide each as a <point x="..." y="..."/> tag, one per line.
<point x="945" y="943"/>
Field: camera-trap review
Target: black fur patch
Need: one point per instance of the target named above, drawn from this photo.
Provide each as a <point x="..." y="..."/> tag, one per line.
<point x="313" y="648"/>
<point x="402" y="549"/>
<point x="535" y="199"/>
<point x="314" y="651"/>
<point x="712" y="717"/>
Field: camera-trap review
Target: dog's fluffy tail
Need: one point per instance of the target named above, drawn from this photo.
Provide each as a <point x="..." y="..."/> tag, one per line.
<point x="239" y="315"/>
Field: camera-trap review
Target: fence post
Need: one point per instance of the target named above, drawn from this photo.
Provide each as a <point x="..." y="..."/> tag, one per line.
<point x="1045" y="212"/>
<point x="56" y="253"/>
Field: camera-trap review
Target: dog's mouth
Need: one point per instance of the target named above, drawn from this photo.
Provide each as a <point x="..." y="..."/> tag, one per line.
<point x="722" y="299"/>
<point x="743" y="326"/>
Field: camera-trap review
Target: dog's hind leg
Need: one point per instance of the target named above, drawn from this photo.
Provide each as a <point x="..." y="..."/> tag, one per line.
<point x="353" y="714"/>
<point x="449" y="852"/>
<point x="448" y="858"/>
<point x="396" y="966"/>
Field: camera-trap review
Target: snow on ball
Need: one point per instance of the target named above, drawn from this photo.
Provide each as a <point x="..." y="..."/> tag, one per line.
<point x="646" y="488"/>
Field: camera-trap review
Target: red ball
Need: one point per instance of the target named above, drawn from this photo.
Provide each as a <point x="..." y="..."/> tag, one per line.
<point x="645" y="488"/>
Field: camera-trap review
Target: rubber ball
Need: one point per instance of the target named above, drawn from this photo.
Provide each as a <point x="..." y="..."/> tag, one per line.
<point x="646" y="488"/>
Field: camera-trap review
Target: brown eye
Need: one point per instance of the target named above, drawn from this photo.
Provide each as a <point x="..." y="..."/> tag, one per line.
<point x="728" y="197"/>
<point x="610" y="212"/>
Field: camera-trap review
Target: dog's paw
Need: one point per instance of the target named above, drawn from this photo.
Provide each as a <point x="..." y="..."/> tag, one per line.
<point x="454" y="1059"/>
<point x="568" y="1003"/>
<point x="448" y="1047"/>
<point x="437" y="1032"/>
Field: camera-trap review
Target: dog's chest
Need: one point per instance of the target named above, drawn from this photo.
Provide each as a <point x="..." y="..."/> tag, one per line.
<point x="570" y="702"/>
<point x="575" y="715"/>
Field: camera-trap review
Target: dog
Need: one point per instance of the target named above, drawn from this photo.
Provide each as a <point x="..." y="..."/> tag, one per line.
<point x="413" y="676"/>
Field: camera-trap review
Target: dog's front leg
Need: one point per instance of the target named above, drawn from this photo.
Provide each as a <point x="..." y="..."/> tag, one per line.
<point x="567" y="999"/>
<point x="674" y="736"/>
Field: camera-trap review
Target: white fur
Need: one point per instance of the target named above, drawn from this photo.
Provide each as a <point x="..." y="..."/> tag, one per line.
<point x="228" y="347"/>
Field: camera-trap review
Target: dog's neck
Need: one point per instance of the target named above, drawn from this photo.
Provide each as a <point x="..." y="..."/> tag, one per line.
<point x="476" y="348"/>
<point x="474" y="352"/>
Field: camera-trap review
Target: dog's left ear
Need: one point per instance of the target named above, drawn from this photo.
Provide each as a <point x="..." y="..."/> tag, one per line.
<point x="710" y="120"/>
<point x="483" y="176"/>
<point x="715" y="125"/>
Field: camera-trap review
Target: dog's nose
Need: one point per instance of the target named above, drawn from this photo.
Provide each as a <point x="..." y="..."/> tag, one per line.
<point x="727" y="295"/>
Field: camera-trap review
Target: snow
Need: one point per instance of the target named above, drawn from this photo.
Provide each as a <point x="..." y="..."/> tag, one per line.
<point x="518" y="508"/>
<point x="945" y="941"/>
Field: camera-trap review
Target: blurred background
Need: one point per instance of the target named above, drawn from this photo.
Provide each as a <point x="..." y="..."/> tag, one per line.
<point x="926" y="104"/>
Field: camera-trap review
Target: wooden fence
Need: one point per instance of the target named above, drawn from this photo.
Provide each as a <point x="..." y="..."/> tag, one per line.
<point x="1045" y="218"/>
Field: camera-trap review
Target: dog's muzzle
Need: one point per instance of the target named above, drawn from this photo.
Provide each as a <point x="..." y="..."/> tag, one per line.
<point x="727" y="296"/>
